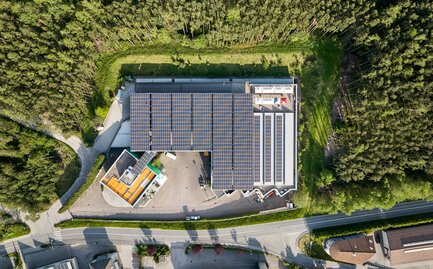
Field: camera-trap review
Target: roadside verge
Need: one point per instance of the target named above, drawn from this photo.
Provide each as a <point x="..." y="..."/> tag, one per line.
<point x="205" y="224"/>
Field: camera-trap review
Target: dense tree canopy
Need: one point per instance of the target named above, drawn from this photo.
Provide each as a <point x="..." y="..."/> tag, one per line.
<point x="48" y="47"/>
<point x="386" y="141"/>
<point x="31" y="166"/>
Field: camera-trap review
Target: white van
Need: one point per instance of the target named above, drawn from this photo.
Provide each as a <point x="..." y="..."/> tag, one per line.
<point x="170" y="155"/>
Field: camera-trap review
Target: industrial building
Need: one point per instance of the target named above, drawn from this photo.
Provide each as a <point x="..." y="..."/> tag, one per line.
<point x="249" y="127"/>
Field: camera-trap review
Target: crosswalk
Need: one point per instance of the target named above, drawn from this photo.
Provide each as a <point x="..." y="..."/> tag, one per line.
<point x="57" y="236"/>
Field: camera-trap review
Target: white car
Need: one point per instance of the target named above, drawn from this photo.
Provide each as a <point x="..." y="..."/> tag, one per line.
<point x="192" y="218"/>
<point x="119" y="95"/>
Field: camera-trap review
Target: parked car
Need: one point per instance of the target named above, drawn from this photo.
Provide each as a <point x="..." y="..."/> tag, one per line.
<point x="290" y="205"/>
<point x="192" y="218"/>
<point x="272" y="193"/>
<point x="283" y="191"/>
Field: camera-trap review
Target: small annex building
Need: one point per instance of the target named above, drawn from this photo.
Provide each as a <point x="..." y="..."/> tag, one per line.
<point x="131" y="179"/>
<point x="355" y="249"/>
<point x="408" y="245"/>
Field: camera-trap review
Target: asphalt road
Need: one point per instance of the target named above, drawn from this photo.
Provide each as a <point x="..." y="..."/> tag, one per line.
<point x="279" y="238"/>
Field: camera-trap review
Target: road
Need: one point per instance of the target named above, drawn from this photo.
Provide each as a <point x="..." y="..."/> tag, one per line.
<point x="279" y="238"/>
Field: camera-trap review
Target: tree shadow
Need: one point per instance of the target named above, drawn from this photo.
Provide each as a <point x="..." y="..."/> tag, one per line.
<point x="234" y="235"/>
<point x="190" y="226"/>
<point x="96" y="236"/>
<point x="213" y="232"/>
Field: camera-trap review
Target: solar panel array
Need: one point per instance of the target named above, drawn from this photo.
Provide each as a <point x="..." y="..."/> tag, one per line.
<point x="222" y="157"/>
<point x="181" y="121"/>
<point x="202" y="122"/>
<point x="242" y="150"/>
<point x="221" y="123"/>
<point x="278" y="157"/>
<point x="268" y="148"/>
<point x="256" y="148"/>
<point x="142" y="162"/>
<point x="140" y="122"/>
<point x="161" y="121"/>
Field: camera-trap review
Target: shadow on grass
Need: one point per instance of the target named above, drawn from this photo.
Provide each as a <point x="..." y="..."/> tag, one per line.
<point x="200" y="70"/>
<point x="68" y="178"/>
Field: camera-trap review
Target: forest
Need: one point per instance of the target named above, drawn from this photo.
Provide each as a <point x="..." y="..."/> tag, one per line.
<point x="34" y="169"/>
<point x="383" y="137"/>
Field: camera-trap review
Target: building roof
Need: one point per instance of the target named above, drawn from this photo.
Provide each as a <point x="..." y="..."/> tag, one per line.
<point x="130" y="182"/>
<point x="65" y="264"/>
<point x="412" y="244"/>
<point x="356" y="249"/>
<point x="106" y="261"/>
<point x="223" y="124"/>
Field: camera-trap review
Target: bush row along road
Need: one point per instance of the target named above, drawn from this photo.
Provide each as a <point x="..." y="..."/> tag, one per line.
<point x="279" y="238"/>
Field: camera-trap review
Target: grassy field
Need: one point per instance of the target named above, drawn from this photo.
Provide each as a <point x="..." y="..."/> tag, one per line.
<point x="182" y="61"/>
<point x="320" y="83"/>
<point x="91" y="177"/>
<point x="186" y="225"/>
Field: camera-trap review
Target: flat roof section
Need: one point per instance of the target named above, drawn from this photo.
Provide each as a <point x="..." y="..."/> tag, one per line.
<point x="409" y="245"/>
<point x="251" y="131"/>
<point x="217" y="122"/>
<point x="274" y="149"/>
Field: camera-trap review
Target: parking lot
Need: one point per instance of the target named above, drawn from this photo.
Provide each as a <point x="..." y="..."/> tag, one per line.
<point x="182" y="189"/>
<point x="179" y="197"/>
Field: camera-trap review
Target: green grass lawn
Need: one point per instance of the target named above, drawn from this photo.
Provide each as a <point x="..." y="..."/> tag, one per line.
<point x="320" y="82"/>
<point x="183" y="61"/>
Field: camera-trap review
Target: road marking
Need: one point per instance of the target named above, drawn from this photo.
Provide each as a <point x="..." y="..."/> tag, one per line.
<point x="57" y="235"/>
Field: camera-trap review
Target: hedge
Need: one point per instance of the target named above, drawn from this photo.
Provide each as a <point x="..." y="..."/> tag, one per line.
<point x="91" y="177"/>
<point x="374" y="225"/>
<point x="205" y="224"/>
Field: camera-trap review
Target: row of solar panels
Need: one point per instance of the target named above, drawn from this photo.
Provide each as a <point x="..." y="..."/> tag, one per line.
<point x="274" y="149"/>
<point x="221" y="123"/>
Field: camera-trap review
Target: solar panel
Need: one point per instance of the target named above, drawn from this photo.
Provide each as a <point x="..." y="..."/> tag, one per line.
<point x="242" y="141"/>
<point x="181" y="121"/>
<point x="222" y="162"/>
<point x="278" y="148"/>
<point x="256" y="148"/>
<point x="140" y="122"/>
<point x="202" y="122"/>
<point x="161" y="121"/>
<point x="142" y="162"/>
<point x="267" y="169"/>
